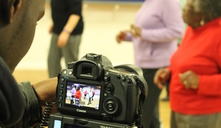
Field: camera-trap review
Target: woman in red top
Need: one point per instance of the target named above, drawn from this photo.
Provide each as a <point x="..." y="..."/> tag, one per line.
<point x="194" y="73"/>
<point x="78" y="93"/>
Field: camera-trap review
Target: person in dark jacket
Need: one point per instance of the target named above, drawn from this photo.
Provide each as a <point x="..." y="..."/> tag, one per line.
<point x="21" y="104"/>
<point x="66" y="30"/>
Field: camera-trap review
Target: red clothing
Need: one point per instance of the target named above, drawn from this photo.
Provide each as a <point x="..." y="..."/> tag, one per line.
<point x="78" y="94"/>
<point x="200" y="51"/>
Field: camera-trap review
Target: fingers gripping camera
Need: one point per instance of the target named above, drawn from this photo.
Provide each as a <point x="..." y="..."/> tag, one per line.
<point x="93" y="88"/>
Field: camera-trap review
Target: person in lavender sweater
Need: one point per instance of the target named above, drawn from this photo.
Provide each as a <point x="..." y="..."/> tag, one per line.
<point x="157" y="27"/>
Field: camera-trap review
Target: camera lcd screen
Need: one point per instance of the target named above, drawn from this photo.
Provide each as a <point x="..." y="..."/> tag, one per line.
<point x="83" y="95"/>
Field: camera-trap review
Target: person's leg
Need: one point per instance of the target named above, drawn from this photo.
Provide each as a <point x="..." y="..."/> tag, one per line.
<point x="217" y="119"/>
<point x="173" y="120"/>
<point x="89" y="102"/>
<point x="151" y="100"/>
<point x="71" y="50"/>
<point x="198" y="121"/>
<point x="155" y="123"/>
<point x="54" y="57"/>
<point x="72" y="100"/>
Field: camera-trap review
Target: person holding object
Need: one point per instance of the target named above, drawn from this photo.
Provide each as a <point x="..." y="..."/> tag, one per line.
<point x="195" y="79"/>
<point x="158" y="25"/>
<point x="67" y="29"/>
<point x="21" y="104"/>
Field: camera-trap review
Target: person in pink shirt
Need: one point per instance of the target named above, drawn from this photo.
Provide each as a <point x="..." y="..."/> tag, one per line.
<point x="157" y="26"/>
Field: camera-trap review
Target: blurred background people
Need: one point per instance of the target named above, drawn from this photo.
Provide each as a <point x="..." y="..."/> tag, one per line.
<point x="195" y="86"/>
<point x="73" y="91"/>
<point x="157" y="26"/>
<point x="90" y="94"/>
<point x="77" y="96"/>
<point x="78" y="93"/>
<point x="85" y="93"/>
<point x="67" y="29"/>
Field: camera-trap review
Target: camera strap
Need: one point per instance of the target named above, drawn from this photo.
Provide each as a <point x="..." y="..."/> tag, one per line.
<point x="142" y="97"/>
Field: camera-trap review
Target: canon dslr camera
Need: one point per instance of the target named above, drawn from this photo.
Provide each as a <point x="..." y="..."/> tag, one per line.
<point x="92" y="88"/>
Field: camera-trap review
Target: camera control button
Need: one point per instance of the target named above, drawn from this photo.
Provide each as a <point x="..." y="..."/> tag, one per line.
<point x="110" y="106"/>
<point x="123" y="78"/>
<point x="60" y="98"/>
<point x="64" y="72"/>
<point x="70" y="72"/>
<point x="61" y="91"/>
<point x="109" y="88"/>
<point x="62" y="79"/>
<point x="105" y="94"/>
<point x="106" y="78"/>
<point x="129" y="81"/>
<point x="61" y="85"/>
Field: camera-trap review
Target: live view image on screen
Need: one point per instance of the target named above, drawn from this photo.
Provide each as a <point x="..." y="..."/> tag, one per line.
<point x="83" y="95"/>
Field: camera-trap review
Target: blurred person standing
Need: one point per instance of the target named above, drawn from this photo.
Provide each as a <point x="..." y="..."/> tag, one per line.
<point x="85" y="93"/>
<point x="67" y="29"/>
<point x="195" y="79"/>
<point x="73" y="91"/>
<point x="90" y="94"/>
<point x="158" y="25"/>
<point x="78" y="93"/>
<point x="77" y="96"/>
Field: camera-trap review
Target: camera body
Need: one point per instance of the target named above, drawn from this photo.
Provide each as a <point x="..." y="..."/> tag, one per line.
<point x="93" y="88"/>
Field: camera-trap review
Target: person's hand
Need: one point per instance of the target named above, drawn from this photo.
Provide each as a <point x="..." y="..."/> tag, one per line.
<point x="135" y="31"/>
<point x="63" y="39"/>
<point x="189" y="79"/>
<point x="46" y="91"/>
<point x="162" y="75"/>
<point x="121" y="36"/>
<point x="50" y="28"/>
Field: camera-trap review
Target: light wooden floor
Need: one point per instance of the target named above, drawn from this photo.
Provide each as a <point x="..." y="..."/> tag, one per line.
<point x="37" y="75"/>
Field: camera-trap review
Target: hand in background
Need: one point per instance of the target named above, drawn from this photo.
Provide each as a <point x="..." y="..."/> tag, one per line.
<point x="46" y="91"/>
<point x="189" y="79"/>
<point x="162" y="75"/>
<point x="121" y="36"/>
<point x="135" y="31"/>
<point x="51" y="28"/>
<point x="63" y="39"/>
